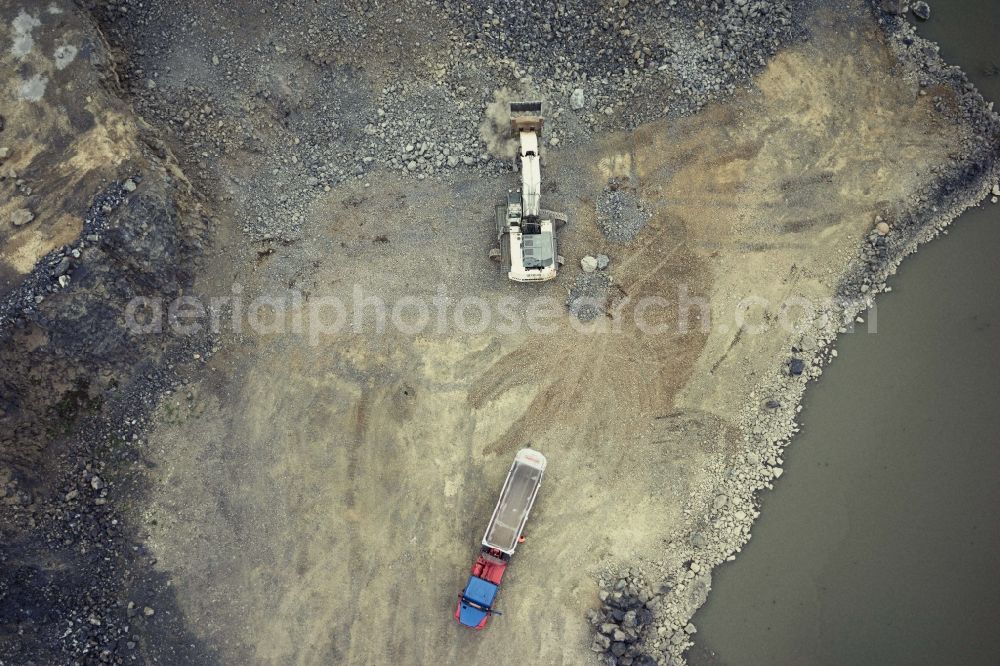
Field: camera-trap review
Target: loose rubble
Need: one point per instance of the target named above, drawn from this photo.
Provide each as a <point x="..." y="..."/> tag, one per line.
<point x="72" y="407"/>
<point x="620" y="214"/>
<point x="625" y="621"/>
<point x="588" y="297"/>
<point x="597" y="69"/>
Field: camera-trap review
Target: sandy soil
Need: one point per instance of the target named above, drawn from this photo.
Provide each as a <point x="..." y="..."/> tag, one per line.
<point x="322" y="502"/>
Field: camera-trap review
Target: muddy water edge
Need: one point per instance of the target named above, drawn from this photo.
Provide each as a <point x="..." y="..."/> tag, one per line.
<point x="879" y="545"/>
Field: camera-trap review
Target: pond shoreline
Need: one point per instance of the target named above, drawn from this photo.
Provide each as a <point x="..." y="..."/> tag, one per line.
<point x="966" y="183"/>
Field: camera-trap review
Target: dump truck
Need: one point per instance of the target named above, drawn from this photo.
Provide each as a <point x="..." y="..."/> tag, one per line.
<point x="503" y="533"/>
<point x="526" y="232"/>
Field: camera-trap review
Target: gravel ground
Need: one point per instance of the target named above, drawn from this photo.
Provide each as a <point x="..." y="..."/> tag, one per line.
<point x="353" y="102"/>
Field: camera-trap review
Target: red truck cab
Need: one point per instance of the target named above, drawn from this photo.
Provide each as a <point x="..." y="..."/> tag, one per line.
<point x="475" y="604"/>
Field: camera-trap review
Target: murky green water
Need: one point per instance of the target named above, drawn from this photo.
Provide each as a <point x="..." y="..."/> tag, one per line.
<point x="879" y="545"/>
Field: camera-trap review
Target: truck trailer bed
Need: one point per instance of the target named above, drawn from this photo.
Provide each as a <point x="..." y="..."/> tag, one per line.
<point x="516" y="500"/>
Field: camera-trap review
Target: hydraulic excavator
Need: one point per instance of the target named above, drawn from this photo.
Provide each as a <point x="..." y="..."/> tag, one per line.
<point x="526" y="232"/>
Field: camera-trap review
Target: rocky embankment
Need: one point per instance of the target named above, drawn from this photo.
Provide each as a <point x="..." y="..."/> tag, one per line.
<point x="95" y="212"/>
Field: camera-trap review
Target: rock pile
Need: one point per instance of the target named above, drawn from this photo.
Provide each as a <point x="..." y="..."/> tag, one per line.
<point x="622" y="622"/>
<point x="588" y="297"/>
<point x="620" y="214"/>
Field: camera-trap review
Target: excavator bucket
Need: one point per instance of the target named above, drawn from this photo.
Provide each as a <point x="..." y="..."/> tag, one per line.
<point x="521" y="107"/>
<point x="526" y="117"/>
